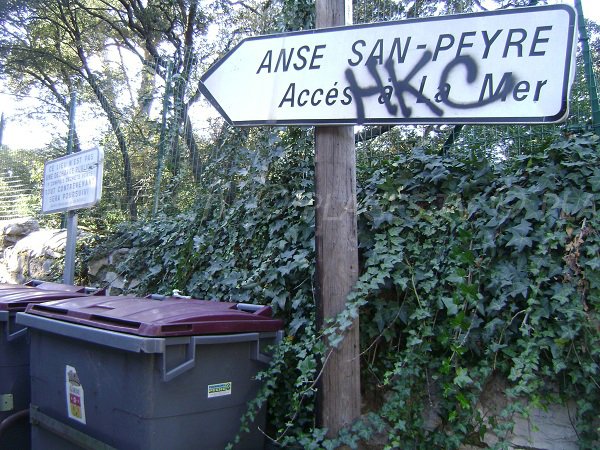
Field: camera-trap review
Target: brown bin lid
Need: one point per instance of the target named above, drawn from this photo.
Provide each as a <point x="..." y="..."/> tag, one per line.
<point x="4" y="286"/>
<point x="158" y="318"/>
<point x="17" y="298"/>
<point x="52" y="286"/>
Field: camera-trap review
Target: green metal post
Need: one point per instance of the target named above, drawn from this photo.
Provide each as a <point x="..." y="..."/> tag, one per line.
<point x="163" y="139"/>
<point x="71" y="216"/>
<point x="1" y="128"/>
<point x="71" y="136"/>
<point x="588" y="67"/>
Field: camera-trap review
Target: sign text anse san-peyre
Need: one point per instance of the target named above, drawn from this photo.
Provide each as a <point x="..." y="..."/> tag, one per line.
<point x="514" y="42"/>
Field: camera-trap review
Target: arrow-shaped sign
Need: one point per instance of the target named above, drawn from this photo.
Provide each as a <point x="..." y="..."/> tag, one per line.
<point x="506" y="66"/>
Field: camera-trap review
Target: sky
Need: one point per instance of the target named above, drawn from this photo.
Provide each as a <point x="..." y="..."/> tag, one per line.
<point x="23" y="130"/>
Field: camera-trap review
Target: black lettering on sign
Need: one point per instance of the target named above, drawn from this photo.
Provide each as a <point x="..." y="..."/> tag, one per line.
<point x="378" y="52"/>
<point x="300" y="56"/>
<point x="303" y="60"/>
<point x="538" y="40"/>
<point x="516" y="42"/>
<point x="289" y="95"/>
<point x="462" y="44"/>
<point x="488" y="41"/>
<point x="445" y="42"/>
<point x="316" y="56"/>
<point x="515" y="38"/>
<point x="315" y="98"/>
<point x="357" y="52"/>
<point x="504" y="87"/>
<point x="396" y="88"/>
<point x="376" y="56"/>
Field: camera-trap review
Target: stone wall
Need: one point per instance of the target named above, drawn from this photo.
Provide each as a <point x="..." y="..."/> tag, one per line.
<point x="28" y="251"/>
<point x="544" y="429"/>
<point x="105" y="272"/>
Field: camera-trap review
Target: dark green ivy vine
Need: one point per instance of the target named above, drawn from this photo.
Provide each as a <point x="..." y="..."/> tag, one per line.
<point x="470" y="272"/>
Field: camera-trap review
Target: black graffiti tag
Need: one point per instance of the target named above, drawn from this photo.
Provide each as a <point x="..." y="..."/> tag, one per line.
<point x="402" y="87"/>
<point x="506" y="84"/>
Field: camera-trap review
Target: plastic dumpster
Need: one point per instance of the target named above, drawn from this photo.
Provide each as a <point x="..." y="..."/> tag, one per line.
<point x="14" y="362"/>
<point x="131" y="373"/>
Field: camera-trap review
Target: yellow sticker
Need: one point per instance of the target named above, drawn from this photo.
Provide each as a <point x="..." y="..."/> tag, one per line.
<point x="219" y="389"/>
<point x="75" y="398"/>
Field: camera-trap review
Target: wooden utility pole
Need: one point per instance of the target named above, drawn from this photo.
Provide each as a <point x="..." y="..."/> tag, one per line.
<point x="337" y="249"/>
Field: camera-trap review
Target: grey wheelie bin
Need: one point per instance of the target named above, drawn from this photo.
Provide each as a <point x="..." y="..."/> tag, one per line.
<point x="129" y="373"/>
<point x="14" y="360"/>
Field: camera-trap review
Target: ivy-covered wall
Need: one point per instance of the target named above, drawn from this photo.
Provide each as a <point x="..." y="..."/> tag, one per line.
<point x="470" y="273"/>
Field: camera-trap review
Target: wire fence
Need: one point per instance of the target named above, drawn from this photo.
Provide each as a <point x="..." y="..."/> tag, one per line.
<point x="158" y="147"/>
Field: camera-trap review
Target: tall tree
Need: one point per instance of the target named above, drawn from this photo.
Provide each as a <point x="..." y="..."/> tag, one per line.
<point x="44" y="47"/>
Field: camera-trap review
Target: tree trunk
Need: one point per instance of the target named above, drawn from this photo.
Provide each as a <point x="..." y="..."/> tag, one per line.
<point x="115" y="125"/>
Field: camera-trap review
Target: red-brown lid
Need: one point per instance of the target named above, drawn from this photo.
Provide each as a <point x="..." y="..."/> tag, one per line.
<point x="157" y="318"/>
<point x="17" y="298"/>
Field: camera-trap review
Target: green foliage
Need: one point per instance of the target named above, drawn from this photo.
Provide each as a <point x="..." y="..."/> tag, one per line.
<point x="296" y="15"/>
<point x="472" y="271"/>
<point x="468" y="271"/>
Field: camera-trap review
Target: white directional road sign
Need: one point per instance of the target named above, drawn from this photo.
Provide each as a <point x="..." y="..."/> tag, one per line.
<point x="505" y="66"/>
<point x="73" y="181"/>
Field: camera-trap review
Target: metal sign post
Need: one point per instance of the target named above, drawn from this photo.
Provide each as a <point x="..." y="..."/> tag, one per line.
<point x="70" y="183"/>
<point x="69" y="270"/>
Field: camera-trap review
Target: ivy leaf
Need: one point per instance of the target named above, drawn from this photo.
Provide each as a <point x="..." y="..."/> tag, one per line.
<point x="571" y="201"/>
<point x="594" y="181"/>
<point x="522" y="229"/>
<point x="519" y="238"/>
<point x="381" y="218"/>
<point x="451" y="307"/>
<point x="520" y="242"/>
<point x="462" y="379"/>
<point x="593" y="263"/>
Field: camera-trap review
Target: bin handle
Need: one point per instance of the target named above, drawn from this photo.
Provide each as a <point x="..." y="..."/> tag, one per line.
<point x="188" y="364"/>
<point x="190" y="361"/>
<point x="263" y="357"/>
<point x="94" y="290"/>
<point x="259" y="310"/>
<point x="16" y="334"/>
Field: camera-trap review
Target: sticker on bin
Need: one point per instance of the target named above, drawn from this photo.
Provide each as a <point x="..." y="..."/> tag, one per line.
<point x="6" y="402"/>
<point x="74" y="391"/>
<point x="219" y="389"/>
